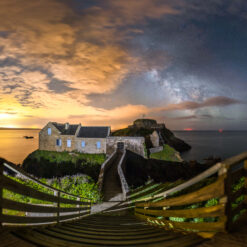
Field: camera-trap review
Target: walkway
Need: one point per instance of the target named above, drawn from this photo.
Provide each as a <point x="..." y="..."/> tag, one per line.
<point x="103" y="230"/>
<point x="238" y="238"/>
<point x="112" y="190"/>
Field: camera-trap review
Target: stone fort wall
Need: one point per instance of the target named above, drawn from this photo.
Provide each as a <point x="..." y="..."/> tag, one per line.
<point x="134" y="144"/>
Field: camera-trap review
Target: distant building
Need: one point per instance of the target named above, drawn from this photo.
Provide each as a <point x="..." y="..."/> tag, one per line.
<point x="85" y="139"/>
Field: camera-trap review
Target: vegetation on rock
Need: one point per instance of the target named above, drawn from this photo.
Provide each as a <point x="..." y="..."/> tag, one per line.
<point x="168" y="153"/>
<point x="49" y="164"/>
<point x="79" y="185"/>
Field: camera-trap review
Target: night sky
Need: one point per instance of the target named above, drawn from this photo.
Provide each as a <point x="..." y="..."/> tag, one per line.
<point x="108" y="62"/>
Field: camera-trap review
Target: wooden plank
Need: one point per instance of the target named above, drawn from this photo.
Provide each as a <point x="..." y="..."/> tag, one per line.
<point x="7" y="239"/>
<point x="209" y="172"/>
<point x="108" y="233"/>
<point x="106" y="241"/>
<point x="22" y="189"/>
<point x="28" y="207"/>
<point x="48" y="240"/>
<point x="235" y="160"/>
<point x="143" y="190"/>
<point x="96" y="236"/>
<point x="188" y="226"/>
<point x="135" y="191"/>
<point x="214" y="190"/>
<point x="204" y="212"/>
<point x="25" y="219"/>
<point x="104" y="229"/>
<point x="153" y="191"/>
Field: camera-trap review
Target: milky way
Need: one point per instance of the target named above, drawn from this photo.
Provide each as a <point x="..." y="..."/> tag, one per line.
<point x="110" y="62"/>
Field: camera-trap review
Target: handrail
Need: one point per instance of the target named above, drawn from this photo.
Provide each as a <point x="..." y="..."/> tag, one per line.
<point x="27" y="176"/>
<point x="124" y="184"/>
<point x="209" y="172"/>
<point x="224" y="165"/>
<point x="103" y="168"/>
<point x="228" y="191"/>
<point x="227" y="163"/>
<point x="56" y="212"/>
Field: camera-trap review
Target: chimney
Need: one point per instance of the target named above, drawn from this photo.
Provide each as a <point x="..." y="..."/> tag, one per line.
<point x="66" y="126"/>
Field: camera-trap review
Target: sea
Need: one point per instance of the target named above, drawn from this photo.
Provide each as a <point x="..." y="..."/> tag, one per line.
<point x="15" y="148"/>
<point x="216" y="144"/>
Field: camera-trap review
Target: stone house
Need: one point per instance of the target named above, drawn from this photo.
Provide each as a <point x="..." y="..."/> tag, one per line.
<point x="85" y="139"/>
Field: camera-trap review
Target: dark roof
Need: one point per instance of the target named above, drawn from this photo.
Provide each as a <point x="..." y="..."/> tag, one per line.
<point x="70" y="131"/>
<point x="93" y="132"/>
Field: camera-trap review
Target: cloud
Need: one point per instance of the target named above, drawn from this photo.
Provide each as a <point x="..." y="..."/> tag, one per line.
<point x="59" y="86"/>
<point x="192" y="105"/>
<point x="113" y="60"/>
<point x="86" y="52"/>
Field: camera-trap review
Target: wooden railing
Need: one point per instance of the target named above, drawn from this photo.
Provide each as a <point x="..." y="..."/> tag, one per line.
<point x="56" y="206"/>
<point x="213" y="201"/>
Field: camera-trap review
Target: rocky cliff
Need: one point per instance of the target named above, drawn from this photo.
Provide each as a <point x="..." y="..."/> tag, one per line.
<point x="145" y="127"/>
<point x="139" y="170"/>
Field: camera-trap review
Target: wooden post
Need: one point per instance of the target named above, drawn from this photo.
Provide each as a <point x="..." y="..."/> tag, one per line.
<point x="223" y="171"/>
<point x="89" y="206"/>
<point x="57" y="193"/>
<point x="228" y="209"/>
<point x="245" y="183"/>
<point x="78" y="205"/>
<point x="1" y="191"/>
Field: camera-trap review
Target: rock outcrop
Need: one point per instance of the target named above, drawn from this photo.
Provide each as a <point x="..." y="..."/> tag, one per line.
<point x="145" y="128"/>
<point x="139" y="170"/>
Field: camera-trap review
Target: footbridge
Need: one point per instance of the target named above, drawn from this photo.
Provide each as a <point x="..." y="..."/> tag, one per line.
<point x="207" y="210"/>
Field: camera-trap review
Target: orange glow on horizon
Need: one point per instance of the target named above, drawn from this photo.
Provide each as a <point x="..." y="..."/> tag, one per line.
<point x="188" y="129"/>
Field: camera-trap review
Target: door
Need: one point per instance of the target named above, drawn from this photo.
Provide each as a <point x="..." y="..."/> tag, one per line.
<point x="120" y="146"/>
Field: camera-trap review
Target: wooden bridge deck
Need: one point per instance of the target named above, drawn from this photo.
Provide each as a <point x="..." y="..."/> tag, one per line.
<point x="99" y="230"/>
<point x="238" y="238"/>
<point x="151" y="225"/>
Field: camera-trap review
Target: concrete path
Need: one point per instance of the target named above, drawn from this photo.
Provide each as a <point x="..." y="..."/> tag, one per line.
<point x="112" y="190"/>
<point x="101" y="207"/>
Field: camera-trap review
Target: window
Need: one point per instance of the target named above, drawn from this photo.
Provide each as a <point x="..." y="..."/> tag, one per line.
<point x="68" y="143"/>
<point x="59" y="142"/>
<point x="83" y="144"/>
<point x="49" y="131"/>
<point x="98" y="144"/>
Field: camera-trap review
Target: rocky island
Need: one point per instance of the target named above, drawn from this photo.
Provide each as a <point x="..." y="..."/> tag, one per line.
<point x="155" y="134"/>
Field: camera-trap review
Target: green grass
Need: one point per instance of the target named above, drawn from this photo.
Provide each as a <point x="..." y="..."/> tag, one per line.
<point x="168" y="153"/>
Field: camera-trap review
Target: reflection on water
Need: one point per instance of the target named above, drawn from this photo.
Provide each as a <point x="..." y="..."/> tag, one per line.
<point x="14" y="147"/>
